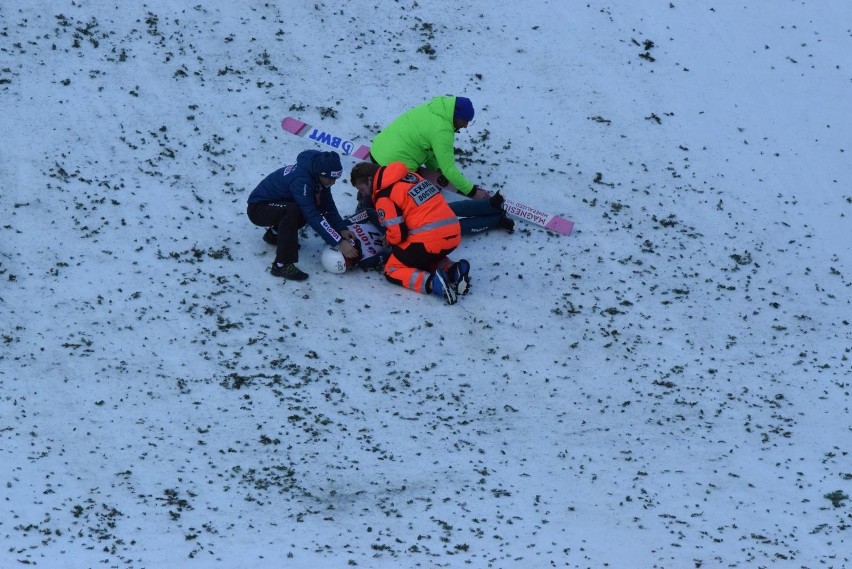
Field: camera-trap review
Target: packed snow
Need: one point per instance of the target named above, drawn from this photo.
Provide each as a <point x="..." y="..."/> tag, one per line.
<point x="668" y="386"/>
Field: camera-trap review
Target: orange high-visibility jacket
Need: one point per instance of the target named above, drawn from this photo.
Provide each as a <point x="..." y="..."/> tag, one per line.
<point x="412" y="210"/>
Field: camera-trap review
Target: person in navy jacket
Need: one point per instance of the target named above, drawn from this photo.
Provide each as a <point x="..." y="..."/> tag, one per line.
<point x="294" y="195"/>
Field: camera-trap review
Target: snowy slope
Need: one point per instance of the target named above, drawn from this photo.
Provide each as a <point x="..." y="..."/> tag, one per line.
<point x="667" y="387"/>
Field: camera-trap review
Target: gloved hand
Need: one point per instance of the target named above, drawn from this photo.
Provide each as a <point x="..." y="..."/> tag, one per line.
<point x="478" y="193"/>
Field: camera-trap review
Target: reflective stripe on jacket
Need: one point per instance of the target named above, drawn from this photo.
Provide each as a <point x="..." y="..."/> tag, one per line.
<point x="413" y="210"/>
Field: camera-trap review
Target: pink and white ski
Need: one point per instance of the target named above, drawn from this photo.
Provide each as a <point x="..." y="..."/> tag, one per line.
<point x="347" y="147"/>
<point x="555" y="223"/>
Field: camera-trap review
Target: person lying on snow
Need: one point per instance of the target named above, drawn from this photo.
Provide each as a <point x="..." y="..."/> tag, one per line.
<point x="294" y="195"/>
<point x="369" y="241"/>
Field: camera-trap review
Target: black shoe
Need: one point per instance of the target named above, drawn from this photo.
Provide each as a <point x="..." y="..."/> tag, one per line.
<point x="289" y="271"/>
<point x="497" y="200"/>
<point x="271" y="236"/>
<point x="507" y="223"/>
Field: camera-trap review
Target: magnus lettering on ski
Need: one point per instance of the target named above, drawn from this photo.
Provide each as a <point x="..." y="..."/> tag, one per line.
<point x="526" y="212"/>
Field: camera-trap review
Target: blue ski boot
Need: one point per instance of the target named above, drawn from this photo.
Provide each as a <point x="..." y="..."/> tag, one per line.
<point x="459" y="275"/>
<point x="440" y="285"/>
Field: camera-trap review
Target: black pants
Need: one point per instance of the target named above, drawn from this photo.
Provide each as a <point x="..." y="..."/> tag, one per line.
<point x="416" y="255"/>
<point x="284" y="217"/>
<point x="476" y="216"/>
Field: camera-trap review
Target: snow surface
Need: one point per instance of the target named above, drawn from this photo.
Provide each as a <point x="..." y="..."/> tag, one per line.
<point x="667" y="387"/>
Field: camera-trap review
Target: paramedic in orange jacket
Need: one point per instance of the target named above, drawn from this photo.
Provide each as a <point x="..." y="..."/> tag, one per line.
<point x="421" y="229"/>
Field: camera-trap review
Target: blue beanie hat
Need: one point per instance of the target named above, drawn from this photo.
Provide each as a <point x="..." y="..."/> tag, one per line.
<point x="464" y="109"/>
<point x="327" y="165"/>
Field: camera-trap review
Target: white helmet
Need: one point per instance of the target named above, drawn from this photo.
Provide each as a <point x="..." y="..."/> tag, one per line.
<point x="333" y="261"/>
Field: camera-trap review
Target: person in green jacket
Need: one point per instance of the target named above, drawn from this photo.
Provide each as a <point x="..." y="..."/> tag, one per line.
<point x="425" y="135"/>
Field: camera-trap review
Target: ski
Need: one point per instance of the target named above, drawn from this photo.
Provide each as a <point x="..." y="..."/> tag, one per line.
<point x="346" y="147"/>
<point x="551" y="222"/>
<point x="555" y="223"/>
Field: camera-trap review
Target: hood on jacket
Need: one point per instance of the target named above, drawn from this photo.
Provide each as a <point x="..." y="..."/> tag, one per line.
<point x="387" y="176"/>
<point x="443" y="107"/>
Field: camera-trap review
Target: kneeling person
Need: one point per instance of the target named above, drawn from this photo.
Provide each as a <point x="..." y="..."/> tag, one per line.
<point x="420" y="228"/>
<point x="292" y="196"/>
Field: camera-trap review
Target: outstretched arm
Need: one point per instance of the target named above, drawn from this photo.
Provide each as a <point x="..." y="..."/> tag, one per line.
<point x="445" y="159"/>
<point x="304" y="197"/>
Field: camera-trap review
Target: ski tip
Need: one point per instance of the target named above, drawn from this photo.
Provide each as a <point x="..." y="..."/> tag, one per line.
<point x="362" y="152"/>
<point x="560" y="225"/>
<point x="291" y="125"/>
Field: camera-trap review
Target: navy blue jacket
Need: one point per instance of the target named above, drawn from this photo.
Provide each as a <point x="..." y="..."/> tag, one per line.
<point x="299" y="183"/>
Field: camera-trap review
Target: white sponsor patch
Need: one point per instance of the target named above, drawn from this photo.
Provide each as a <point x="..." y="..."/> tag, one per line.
<point x="331" y="231"/>
<point x="423" y="191"/>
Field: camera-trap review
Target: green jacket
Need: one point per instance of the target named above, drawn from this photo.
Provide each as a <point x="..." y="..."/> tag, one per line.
<point x="423" y="135"/>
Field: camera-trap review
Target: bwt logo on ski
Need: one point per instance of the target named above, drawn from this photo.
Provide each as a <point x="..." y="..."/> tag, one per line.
<point x="323" y="137"/>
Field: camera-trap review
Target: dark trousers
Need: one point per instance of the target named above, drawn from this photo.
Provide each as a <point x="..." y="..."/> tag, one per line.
<point x="287" y="219"/>
<point x="475" y="216"/>
<point x="416" y="255"/>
